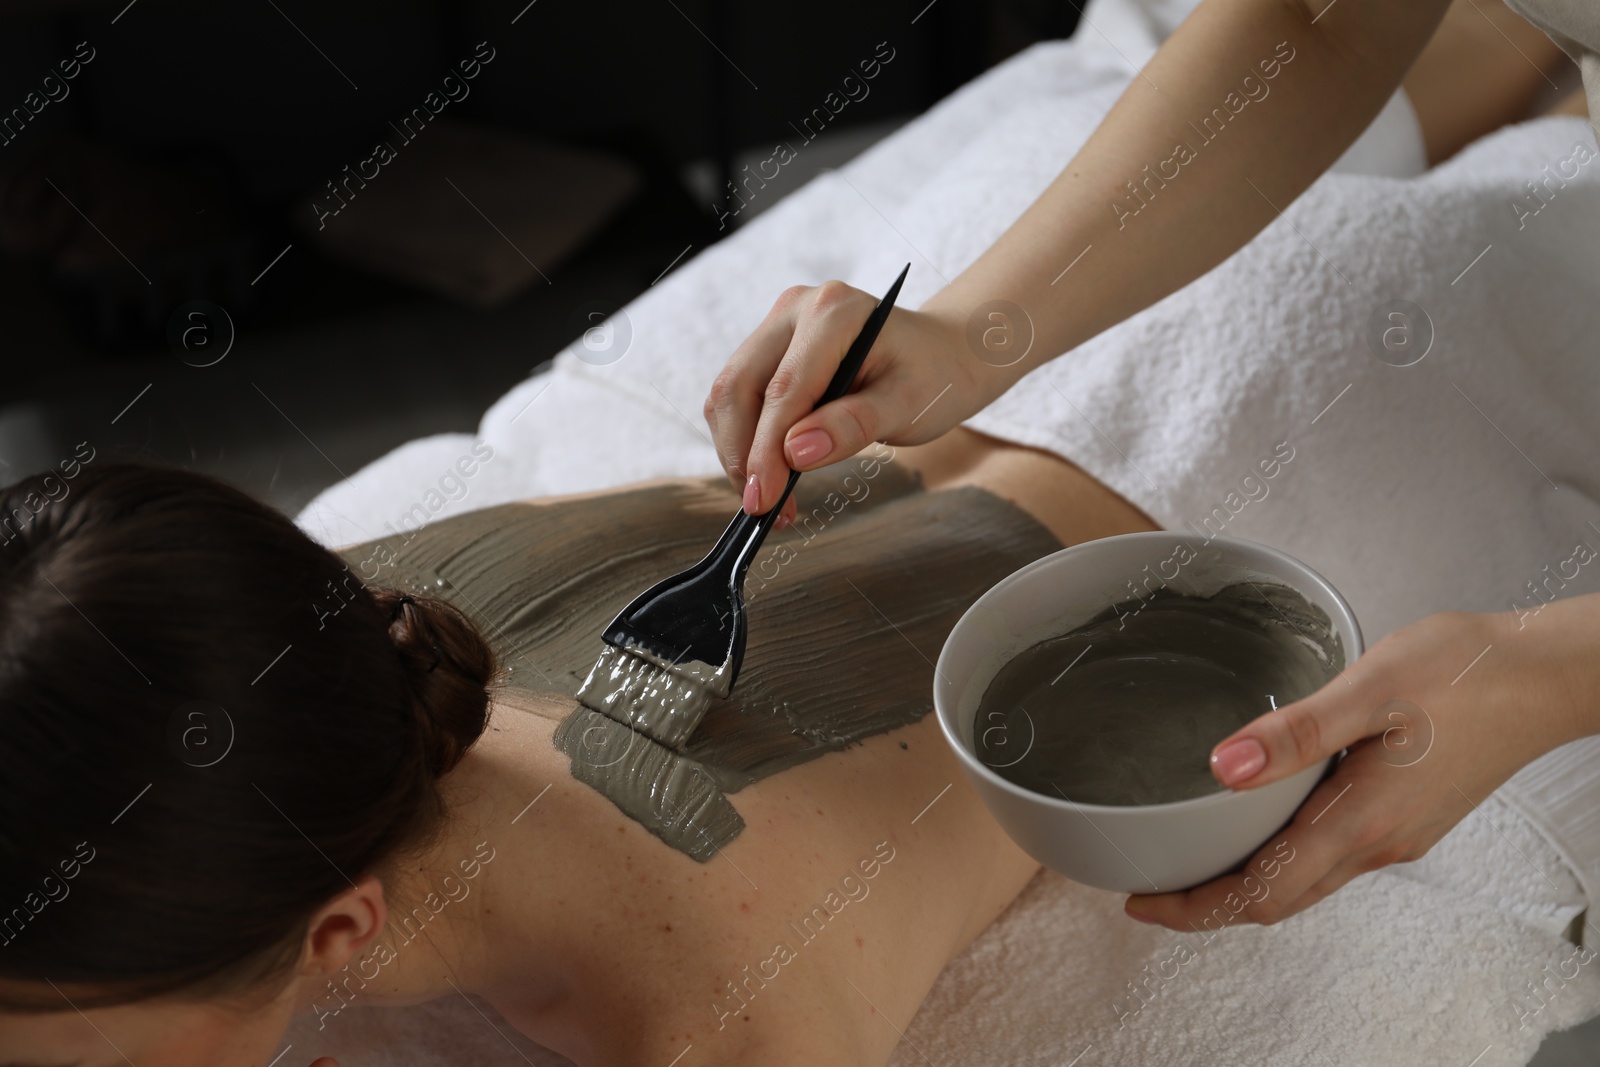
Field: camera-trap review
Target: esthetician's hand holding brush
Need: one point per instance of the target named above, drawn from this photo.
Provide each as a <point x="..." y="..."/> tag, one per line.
<point x="1071" y="267"/>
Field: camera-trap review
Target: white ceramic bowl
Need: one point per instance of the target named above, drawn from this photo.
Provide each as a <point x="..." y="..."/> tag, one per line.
<point x="1136" y="849"/>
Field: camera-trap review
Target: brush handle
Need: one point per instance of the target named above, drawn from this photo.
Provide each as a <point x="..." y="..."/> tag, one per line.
<point x="849" y="367"/>
<point x="746" y="532"/>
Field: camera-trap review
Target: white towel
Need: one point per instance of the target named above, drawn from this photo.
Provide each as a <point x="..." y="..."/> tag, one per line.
<point x="1447" y="484"/>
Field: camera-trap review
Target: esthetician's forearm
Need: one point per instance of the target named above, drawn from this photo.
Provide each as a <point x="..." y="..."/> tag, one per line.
<point x="1346" y="62"/>
<point x="1558" y="646"/>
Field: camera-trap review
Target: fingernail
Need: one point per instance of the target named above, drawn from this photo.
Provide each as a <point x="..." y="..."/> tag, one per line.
<point x="1239" y="760"/>
<point x="782" y="523"/>
<point x="813" y="444"/>
<point x="752" y="494"/>
<point x="1130" y="913"/>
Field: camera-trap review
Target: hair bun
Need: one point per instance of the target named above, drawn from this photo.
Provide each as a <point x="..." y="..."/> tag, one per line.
<point x="448" y="666"/>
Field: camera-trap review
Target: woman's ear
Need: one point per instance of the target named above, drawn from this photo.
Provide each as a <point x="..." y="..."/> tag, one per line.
<point x="343" y="927"/>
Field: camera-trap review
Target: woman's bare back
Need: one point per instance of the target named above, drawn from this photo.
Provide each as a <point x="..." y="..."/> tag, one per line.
<point x="865" y="863"/>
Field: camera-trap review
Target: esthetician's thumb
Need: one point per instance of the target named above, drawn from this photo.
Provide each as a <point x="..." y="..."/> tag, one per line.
<point x="838" y="430"/>
<point x="1290" y="739"/>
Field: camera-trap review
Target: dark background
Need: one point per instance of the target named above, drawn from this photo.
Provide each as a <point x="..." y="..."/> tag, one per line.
<point x="198" y="130"/>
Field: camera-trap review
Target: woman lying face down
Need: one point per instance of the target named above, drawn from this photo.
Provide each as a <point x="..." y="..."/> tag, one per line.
<point x="241" y="785"/>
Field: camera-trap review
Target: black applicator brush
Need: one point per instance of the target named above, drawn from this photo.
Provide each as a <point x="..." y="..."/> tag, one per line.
<point x="682" y="641"/>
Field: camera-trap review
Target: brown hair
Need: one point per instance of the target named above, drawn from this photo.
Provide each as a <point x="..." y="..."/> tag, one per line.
<point x="208" y="728"/>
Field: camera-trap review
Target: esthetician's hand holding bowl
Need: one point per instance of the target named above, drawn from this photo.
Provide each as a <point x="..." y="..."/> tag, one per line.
<point x="1436" y="716"/>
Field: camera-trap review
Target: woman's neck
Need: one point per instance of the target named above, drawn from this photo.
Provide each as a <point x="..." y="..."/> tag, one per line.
<point x="463" y="915"/>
